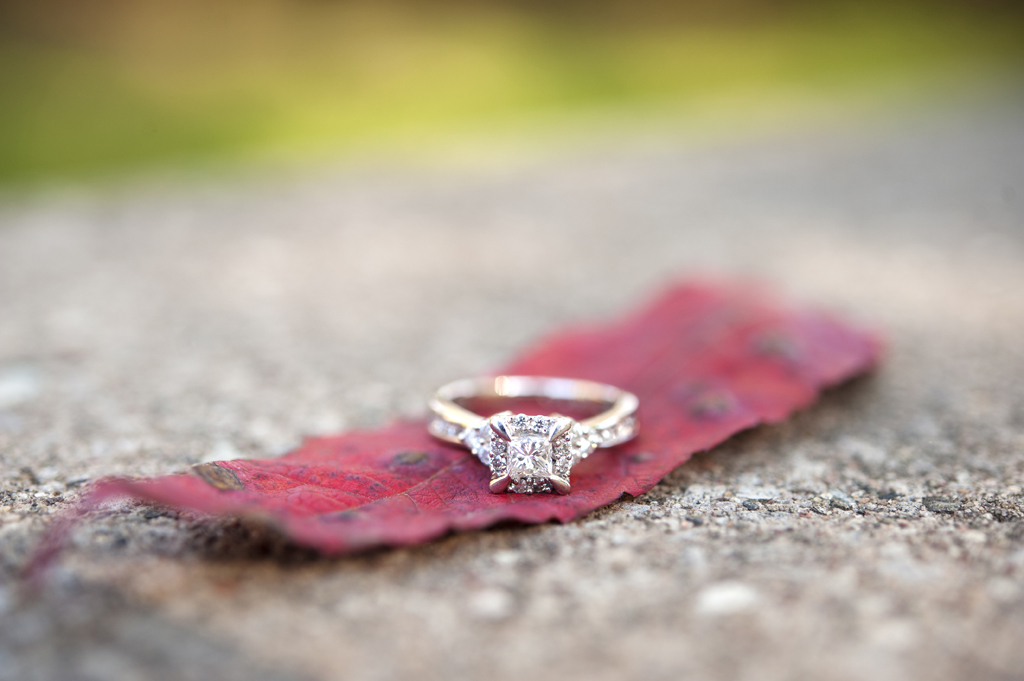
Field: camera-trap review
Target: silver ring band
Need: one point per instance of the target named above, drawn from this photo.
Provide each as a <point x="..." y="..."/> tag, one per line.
<point x="530" y="454"/>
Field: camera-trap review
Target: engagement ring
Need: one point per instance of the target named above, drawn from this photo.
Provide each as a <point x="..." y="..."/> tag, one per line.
<point x="530" y="454"/>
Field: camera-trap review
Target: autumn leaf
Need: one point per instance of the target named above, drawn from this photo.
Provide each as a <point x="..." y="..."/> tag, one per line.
<point x="706" y="360"/>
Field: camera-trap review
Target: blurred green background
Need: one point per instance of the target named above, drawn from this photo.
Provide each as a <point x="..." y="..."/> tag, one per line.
<point x="95" y="88"/>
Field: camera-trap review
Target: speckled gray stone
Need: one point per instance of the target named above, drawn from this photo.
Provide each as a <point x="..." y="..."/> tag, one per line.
<point x="879" y="533"/>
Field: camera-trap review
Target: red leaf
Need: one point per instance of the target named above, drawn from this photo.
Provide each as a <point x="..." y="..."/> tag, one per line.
<point x="706" y="361"/>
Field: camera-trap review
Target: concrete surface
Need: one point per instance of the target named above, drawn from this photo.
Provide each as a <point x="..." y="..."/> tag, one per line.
<point x="879" y="534"/>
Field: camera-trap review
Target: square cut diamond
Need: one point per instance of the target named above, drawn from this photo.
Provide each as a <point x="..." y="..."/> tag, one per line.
<point x="530" y="456"/>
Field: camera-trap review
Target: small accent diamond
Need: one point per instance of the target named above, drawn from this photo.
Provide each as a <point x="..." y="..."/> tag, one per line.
<point x="478" y="440"/>
<point x="583" y="440"/>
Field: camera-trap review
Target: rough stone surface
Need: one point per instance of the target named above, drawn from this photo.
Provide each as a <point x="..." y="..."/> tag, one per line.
<point x="880" y="533"/>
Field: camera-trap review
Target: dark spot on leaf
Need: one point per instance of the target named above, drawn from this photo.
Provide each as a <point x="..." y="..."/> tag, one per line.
<point x="219" y="477"/>
<point x="685" y="391"/>
<point x="712" y="405"/>
<point x="409" y="458"/>
<point x="941" y="505"/>
<point x="345" y="516"/>
<point x="641" y="457"/>
<point x="777" y="344"/>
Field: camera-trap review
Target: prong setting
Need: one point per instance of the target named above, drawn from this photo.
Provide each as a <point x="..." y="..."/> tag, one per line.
<point x="499" y="484"/>
<point x="560" y="425"/>
<point x="559" y="485"/>
<point x="499" y="424"/>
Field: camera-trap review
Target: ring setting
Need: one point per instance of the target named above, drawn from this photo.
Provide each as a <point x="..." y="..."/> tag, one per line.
<point x="532" y="454"/>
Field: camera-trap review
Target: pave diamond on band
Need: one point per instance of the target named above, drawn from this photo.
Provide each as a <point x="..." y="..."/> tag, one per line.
<point x="530" y="454"/>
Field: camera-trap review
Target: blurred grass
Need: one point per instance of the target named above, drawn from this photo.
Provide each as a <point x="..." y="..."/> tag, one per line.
<point x="153" y="84"/>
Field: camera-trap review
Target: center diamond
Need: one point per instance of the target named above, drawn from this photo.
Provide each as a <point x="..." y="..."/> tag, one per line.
<point x="529" y="456"/>
<point x="530" y="453"/>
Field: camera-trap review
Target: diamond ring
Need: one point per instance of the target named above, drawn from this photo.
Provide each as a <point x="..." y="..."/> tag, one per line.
<point x="530" y="454"/>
